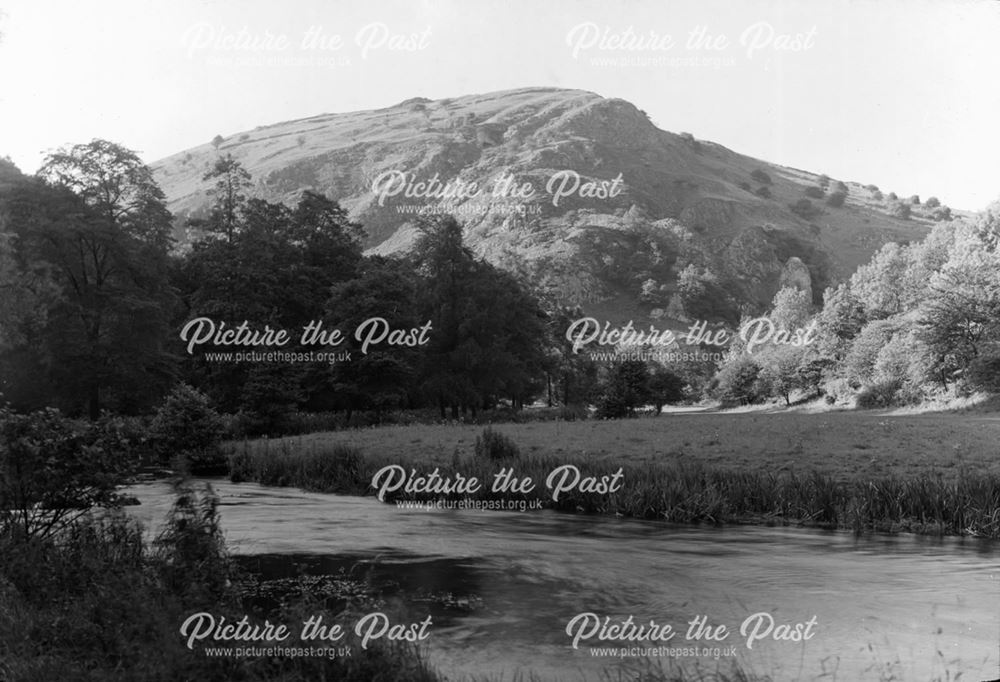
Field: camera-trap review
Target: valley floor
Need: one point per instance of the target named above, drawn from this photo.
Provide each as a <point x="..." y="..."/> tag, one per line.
<point x="847" y="445"/>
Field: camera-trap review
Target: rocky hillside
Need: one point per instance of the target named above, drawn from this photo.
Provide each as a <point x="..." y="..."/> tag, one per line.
<point x="584" y="196"/>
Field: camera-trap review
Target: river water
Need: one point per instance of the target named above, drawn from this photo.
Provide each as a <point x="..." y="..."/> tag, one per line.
<point x="503" y="586"/>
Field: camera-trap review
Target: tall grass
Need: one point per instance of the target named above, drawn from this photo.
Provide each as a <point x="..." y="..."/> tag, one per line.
<point x="677" y="491"/>
<point x="97" y="603"/>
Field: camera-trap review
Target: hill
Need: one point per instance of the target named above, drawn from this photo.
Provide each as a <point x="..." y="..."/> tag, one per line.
<point x="623" y="218"/>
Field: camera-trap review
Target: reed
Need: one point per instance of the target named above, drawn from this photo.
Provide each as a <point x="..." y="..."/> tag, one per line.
<point x="684" y="491"/>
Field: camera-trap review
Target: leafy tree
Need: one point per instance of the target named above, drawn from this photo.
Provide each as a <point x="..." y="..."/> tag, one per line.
<point x="626" y="388"/>
<point x="53" y="470"/>
<point x="574" y="376"/>
<point x="100" y="229"/>
<point x="791" y="308"/>
<point x="878" y="284"/>
<point x="738" y="380"/>
<point x="489" y="333"/>
<point x="384" y="377"/>
<point x="665" y="387"/>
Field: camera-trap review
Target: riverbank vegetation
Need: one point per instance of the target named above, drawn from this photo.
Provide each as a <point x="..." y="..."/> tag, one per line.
<point x="98" y="602"/>
<point x="897" y="474"/>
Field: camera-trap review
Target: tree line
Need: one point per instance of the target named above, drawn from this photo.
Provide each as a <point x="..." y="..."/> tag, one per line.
<point x="95" y="292"/>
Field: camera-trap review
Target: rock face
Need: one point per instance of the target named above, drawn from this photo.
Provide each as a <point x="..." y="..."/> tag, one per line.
<point x="796" y="274"/>
<point x="613" y="202"/>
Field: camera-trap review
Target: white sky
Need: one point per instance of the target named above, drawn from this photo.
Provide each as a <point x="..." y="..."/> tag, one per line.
<point x="900" y="93"/>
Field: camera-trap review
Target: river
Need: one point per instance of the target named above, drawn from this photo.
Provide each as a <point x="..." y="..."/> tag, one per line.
<point x="884" y="607"/>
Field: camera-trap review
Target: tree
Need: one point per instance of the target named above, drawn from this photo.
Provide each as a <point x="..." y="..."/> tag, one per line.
<point x="791" y="308"/>
<point x="101" y="229"/>
<point x="489" y="332"/>
<point x="737" y="381"/>
<point x="625" y="389"/>
<point x="115" y="182"/>
<point x="53" y="470"/>
<point x="665" y="387"/>
<point x="231" y="184"/>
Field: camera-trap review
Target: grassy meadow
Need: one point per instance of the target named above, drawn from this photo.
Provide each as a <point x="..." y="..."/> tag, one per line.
<point x="844" y="445"/>
<point x="864" y="471"/>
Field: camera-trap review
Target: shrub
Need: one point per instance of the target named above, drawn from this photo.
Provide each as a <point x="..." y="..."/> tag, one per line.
<point x="187" y="425"/>
<point x="901" y="210"/>
<point x="983" y="373"/>
<point x="761" y="177"/>
<point x="763" y="193"/>
<point x="871" y="188"/>
<point x="879" y="394"/>
<point x="804" y="209"/>
<point x="244" y="137"/>
<point x="53" y="470"/>
<point x="745" y="186"/>
<point x="915" y="199"/>
<point x="943" y="213"/>
<point x="815" y="192"/>
<point x="841" y="187"/>
<point x="932" y="202"/>
<point x="190" y="550"/>
<point x="494" y="445"/>
<point x="892" y="196"/>
<point x="217" y="141"/>
<point x="836" y="199"/>
<point x="823" y="181"/>
<point x="877" y="195"/>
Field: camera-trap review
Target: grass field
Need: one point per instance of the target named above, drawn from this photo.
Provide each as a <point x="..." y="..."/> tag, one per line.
<point x="937" y="474"/>
<point x="844" y="445"/>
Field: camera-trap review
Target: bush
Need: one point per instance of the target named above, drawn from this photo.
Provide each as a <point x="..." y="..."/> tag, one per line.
<point x="836" y="199"/>
<point x="983" y="373"/>
<point x="877" y="195"/>
<point x="763" y="193"/>
<point x="745" y="186"/>
<point x="901" y="210"/>
<point x="871" y="188"/>
<point x="190" y="550"/>
<point x="494" y="445"/>
<point x="892" y="196"/>
<point x="823" y="181"/>
<point x="943" y="213"/>
<point x="53" y="470"/>
<point x="815" y="192"/>
<point x="841" y="187"/>
<point x="187" y="425"/>
<point x="761" y="177"/>
<point x="879" y="394"/>
<point x="932" y="202"/>
<point x="915" y="199"/>
<point x="804" y="208"/>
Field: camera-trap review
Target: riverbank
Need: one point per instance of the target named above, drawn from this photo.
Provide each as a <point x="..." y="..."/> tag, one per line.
<point x="864" y="471"/>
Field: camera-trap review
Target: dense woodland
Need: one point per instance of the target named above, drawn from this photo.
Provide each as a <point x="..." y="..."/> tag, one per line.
<point x="95" y="292"/>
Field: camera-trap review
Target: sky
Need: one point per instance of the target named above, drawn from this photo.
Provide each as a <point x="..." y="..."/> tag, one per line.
<point x="900" y="93"/>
